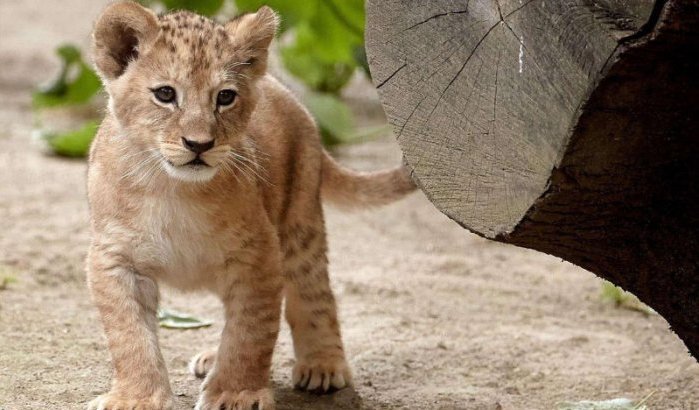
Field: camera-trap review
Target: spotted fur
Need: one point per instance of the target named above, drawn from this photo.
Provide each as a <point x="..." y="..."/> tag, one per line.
<point x="245" y="222"/>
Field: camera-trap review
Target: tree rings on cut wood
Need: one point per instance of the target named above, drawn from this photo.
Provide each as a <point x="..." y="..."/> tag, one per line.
<point x="571" y="127"/>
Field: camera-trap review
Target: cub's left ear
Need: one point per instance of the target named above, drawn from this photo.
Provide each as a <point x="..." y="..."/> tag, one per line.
<point x="252" y="34"/>
<point x="120" y="32"/>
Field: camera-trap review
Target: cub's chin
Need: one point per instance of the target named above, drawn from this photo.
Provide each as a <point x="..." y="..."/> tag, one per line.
<point x="191" y="172"/>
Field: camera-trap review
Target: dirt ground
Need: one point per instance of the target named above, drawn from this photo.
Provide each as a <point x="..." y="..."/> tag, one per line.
<point x="433" y="316"/>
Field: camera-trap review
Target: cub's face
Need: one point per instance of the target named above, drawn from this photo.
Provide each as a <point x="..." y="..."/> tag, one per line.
<point x="182" y="87"/>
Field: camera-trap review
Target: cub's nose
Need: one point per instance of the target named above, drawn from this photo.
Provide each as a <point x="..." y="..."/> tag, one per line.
<point x="196" y="146"/>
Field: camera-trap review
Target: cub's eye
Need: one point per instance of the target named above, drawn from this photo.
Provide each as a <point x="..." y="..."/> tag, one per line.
<point x="225" y="97"/>
<point x="165" y="94"/>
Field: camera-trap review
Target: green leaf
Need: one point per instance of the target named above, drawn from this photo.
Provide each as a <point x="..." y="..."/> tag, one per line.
<point x="624" y="299"/>
<point x="204" y="7"/>
<point x="323" y="52"/>
<point x="76" y="84"/>
<point x="328" y="39"/>
<point x="74" y="144"/>
<point x="175" y="320"/>
<point x="69" y="53"/>
<point x="333" y="116"/>
<point x="349" y="14"/>
<point x="361" y="59"/>
<point x="614" y="404"/>
<point x="317" y="75"/>
<point x="320" y="69"/>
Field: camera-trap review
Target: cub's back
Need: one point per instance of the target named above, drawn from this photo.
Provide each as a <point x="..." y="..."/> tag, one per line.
<point x="290" y="152"/>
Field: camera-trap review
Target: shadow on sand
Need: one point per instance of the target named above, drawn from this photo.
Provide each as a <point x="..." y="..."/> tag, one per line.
<point x="345" y="399"/>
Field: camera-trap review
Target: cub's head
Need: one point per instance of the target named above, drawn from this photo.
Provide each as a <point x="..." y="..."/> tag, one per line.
<point x="181" y="86"/>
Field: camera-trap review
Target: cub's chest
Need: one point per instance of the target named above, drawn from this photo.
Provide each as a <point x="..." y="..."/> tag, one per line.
<point x="177" y="238"/>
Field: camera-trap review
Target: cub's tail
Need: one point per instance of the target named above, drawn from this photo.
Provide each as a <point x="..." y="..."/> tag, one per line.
<point x="349" y="189"/>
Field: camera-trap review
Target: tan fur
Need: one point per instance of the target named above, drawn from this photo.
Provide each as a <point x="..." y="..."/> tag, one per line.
<point x="349" y="189"/>
<point x="249" y="227"/>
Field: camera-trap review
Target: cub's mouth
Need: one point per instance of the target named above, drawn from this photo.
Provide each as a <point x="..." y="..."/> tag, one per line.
<point x="196" y="170"/>
<point x="197" y="162"/>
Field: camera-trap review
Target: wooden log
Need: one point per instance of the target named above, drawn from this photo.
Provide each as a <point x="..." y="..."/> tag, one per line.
<point x="566" y="126"/>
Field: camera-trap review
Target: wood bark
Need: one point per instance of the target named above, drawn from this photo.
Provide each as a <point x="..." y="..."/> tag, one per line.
<point x="566" y="126"/>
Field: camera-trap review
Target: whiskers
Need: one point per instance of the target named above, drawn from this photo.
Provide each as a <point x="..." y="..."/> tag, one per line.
<point x="245" y="163"/>
<point x="145" y="169"/>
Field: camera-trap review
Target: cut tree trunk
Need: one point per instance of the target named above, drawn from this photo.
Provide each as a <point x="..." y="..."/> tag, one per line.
<point x="566" y="126"/>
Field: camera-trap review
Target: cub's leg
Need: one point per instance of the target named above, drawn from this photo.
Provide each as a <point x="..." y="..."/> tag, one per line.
<point x="127" y="303"/>
<point x="311" y="312"/>
<point x="239" y="378"/>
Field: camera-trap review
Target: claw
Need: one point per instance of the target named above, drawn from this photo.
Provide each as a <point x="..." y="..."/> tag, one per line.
<point x="326" y="381"/>
<point x="321" y="376"/>
<point x="316" y="380"/>
<point x="338" y="380"/>
<point x="304" y="378"/>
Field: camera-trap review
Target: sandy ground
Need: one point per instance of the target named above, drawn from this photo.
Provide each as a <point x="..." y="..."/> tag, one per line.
<point x="433" y="317"/>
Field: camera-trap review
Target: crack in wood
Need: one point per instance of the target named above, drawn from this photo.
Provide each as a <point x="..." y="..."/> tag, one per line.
<point x="429" y="116"/>
<point x="400" y="132"/>
<point x="382" y="83"/>
<point x="518" y="9"/>
<point x="448" y="13"/>
<point x="463" y="66"/>
<point x="497" y="5"/>
<point x="439" y="67"/>
<point x="475" y="48"/>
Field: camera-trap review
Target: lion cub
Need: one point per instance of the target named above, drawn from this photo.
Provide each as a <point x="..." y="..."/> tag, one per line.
<point x="207" y="174"/>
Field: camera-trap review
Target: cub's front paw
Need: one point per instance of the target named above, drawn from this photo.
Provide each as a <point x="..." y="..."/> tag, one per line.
<point x="262" y="399"/>
<point x="118" y="401"/>
<point x="321" y="373"/>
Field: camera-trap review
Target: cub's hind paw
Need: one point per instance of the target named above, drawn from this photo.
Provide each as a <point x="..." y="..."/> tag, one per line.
<point x="321" y="374"/>
<point x="262" y="399"/>
<point x="201" y="364"/>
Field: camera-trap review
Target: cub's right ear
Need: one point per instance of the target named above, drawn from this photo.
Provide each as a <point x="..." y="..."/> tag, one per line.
<point x="120" y="32"/>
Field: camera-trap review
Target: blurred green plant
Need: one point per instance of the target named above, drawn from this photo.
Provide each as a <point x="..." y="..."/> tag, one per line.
<point x="5" y="282"/>
<point x="6" y="277"/>
<point x="328" y="39"/>
<point x="75" y="84"/>
<point x="74" y="143"/>
<point x="323" y="47"/>
<point x="326" y="49"/>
